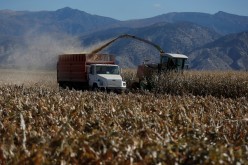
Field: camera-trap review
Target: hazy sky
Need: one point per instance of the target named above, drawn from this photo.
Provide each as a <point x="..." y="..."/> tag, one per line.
<point x="131" y="9"/>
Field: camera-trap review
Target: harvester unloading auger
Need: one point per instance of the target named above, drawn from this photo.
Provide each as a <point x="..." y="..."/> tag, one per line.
<point x="168" y="61"/>
<point x="127" y="36"/>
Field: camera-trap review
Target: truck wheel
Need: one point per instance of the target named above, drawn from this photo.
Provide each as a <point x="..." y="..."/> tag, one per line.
<point x="62" y="85"/>
<point x="95" y="87"/>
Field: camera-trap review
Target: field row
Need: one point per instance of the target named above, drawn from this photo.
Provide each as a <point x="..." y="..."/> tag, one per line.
<point x="200" y="83"/>
<point x="51" y="126"/>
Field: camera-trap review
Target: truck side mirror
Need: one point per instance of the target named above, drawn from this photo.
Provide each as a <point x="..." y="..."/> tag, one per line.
<point x="92" y="70"/>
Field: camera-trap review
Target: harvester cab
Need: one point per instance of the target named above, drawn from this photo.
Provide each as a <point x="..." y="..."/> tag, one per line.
<point x="172" y="61"/>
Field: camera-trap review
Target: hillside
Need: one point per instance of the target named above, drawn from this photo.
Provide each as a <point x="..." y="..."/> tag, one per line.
<point x="178" y="37"/>
<point x="76" y="22"/>
<point x="228" y="52"/>
<point x="34" y="39"/>
<point x="65" y="20"/>
<point x="221" y="22"/>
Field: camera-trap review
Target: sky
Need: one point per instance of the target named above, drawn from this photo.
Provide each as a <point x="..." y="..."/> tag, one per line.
<point x="130" y="9"/>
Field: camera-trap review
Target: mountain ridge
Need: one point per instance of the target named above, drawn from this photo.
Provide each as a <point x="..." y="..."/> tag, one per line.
<point x="191" y="33"/>
<point x="231" y="50"/>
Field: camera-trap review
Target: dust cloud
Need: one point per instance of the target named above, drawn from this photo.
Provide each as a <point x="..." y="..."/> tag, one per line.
<point x="41" y="50"/>
<point x="33" y="59"/>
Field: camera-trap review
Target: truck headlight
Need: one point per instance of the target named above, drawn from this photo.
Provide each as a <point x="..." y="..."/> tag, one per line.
<point x="124" y="84"/>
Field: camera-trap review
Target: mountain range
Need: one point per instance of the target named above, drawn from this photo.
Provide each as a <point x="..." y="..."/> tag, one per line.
<point x="212" y="41"/>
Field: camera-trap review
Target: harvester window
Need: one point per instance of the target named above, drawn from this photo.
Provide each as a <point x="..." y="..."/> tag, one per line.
<point x="180" y="63"/>
<point x="171" y="64"/>
<point x="164" y="60"/>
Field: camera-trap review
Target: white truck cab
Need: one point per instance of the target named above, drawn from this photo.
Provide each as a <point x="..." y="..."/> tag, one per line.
<point x="106" y="76"/>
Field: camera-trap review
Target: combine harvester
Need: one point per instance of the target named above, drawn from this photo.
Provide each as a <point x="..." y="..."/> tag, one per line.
<point x="83" y="70"/>
<point x="168" y="62"/>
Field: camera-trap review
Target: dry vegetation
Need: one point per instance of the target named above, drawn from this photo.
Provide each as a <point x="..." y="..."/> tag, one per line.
<point x="219" y="84"/>
<point x="189" y="123"/>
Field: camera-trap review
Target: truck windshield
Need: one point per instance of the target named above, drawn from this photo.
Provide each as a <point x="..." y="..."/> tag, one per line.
<point x="107" y="69"/>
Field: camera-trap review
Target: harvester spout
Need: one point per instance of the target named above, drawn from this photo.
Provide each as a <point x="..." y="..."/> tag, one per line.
<point x="128" y="36"/>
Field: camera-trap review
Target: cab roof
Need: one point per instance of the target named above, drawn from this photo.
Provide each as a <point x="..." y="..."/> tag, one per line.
<point x="105" y="64"/>
<point x="175" y="55"/>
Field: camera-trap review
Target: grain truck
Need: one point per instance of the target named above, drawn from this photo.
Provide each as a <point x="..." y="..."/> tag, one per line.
<point x="89" y="71"/>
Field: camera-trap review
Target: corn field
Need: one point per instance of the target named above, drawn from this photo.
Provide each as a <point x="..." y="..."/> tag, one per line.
<point x="192" y="118"/>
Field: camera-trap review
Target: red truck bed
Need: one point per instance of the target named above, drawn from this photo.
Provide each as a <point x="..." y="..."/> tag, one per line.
<point x="73" y="67"/>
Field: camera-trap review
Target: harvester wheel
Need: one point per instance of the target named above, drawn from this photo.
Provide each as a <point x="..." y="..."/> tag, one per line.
<point x="135" y="85"/>
<point x="143" y="85"/>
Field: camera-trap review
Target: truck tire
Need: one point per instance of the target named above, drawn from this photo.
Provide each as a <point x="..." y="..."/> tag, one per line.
<point x="95" y="87"/>
<point x="62" y="85"/>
